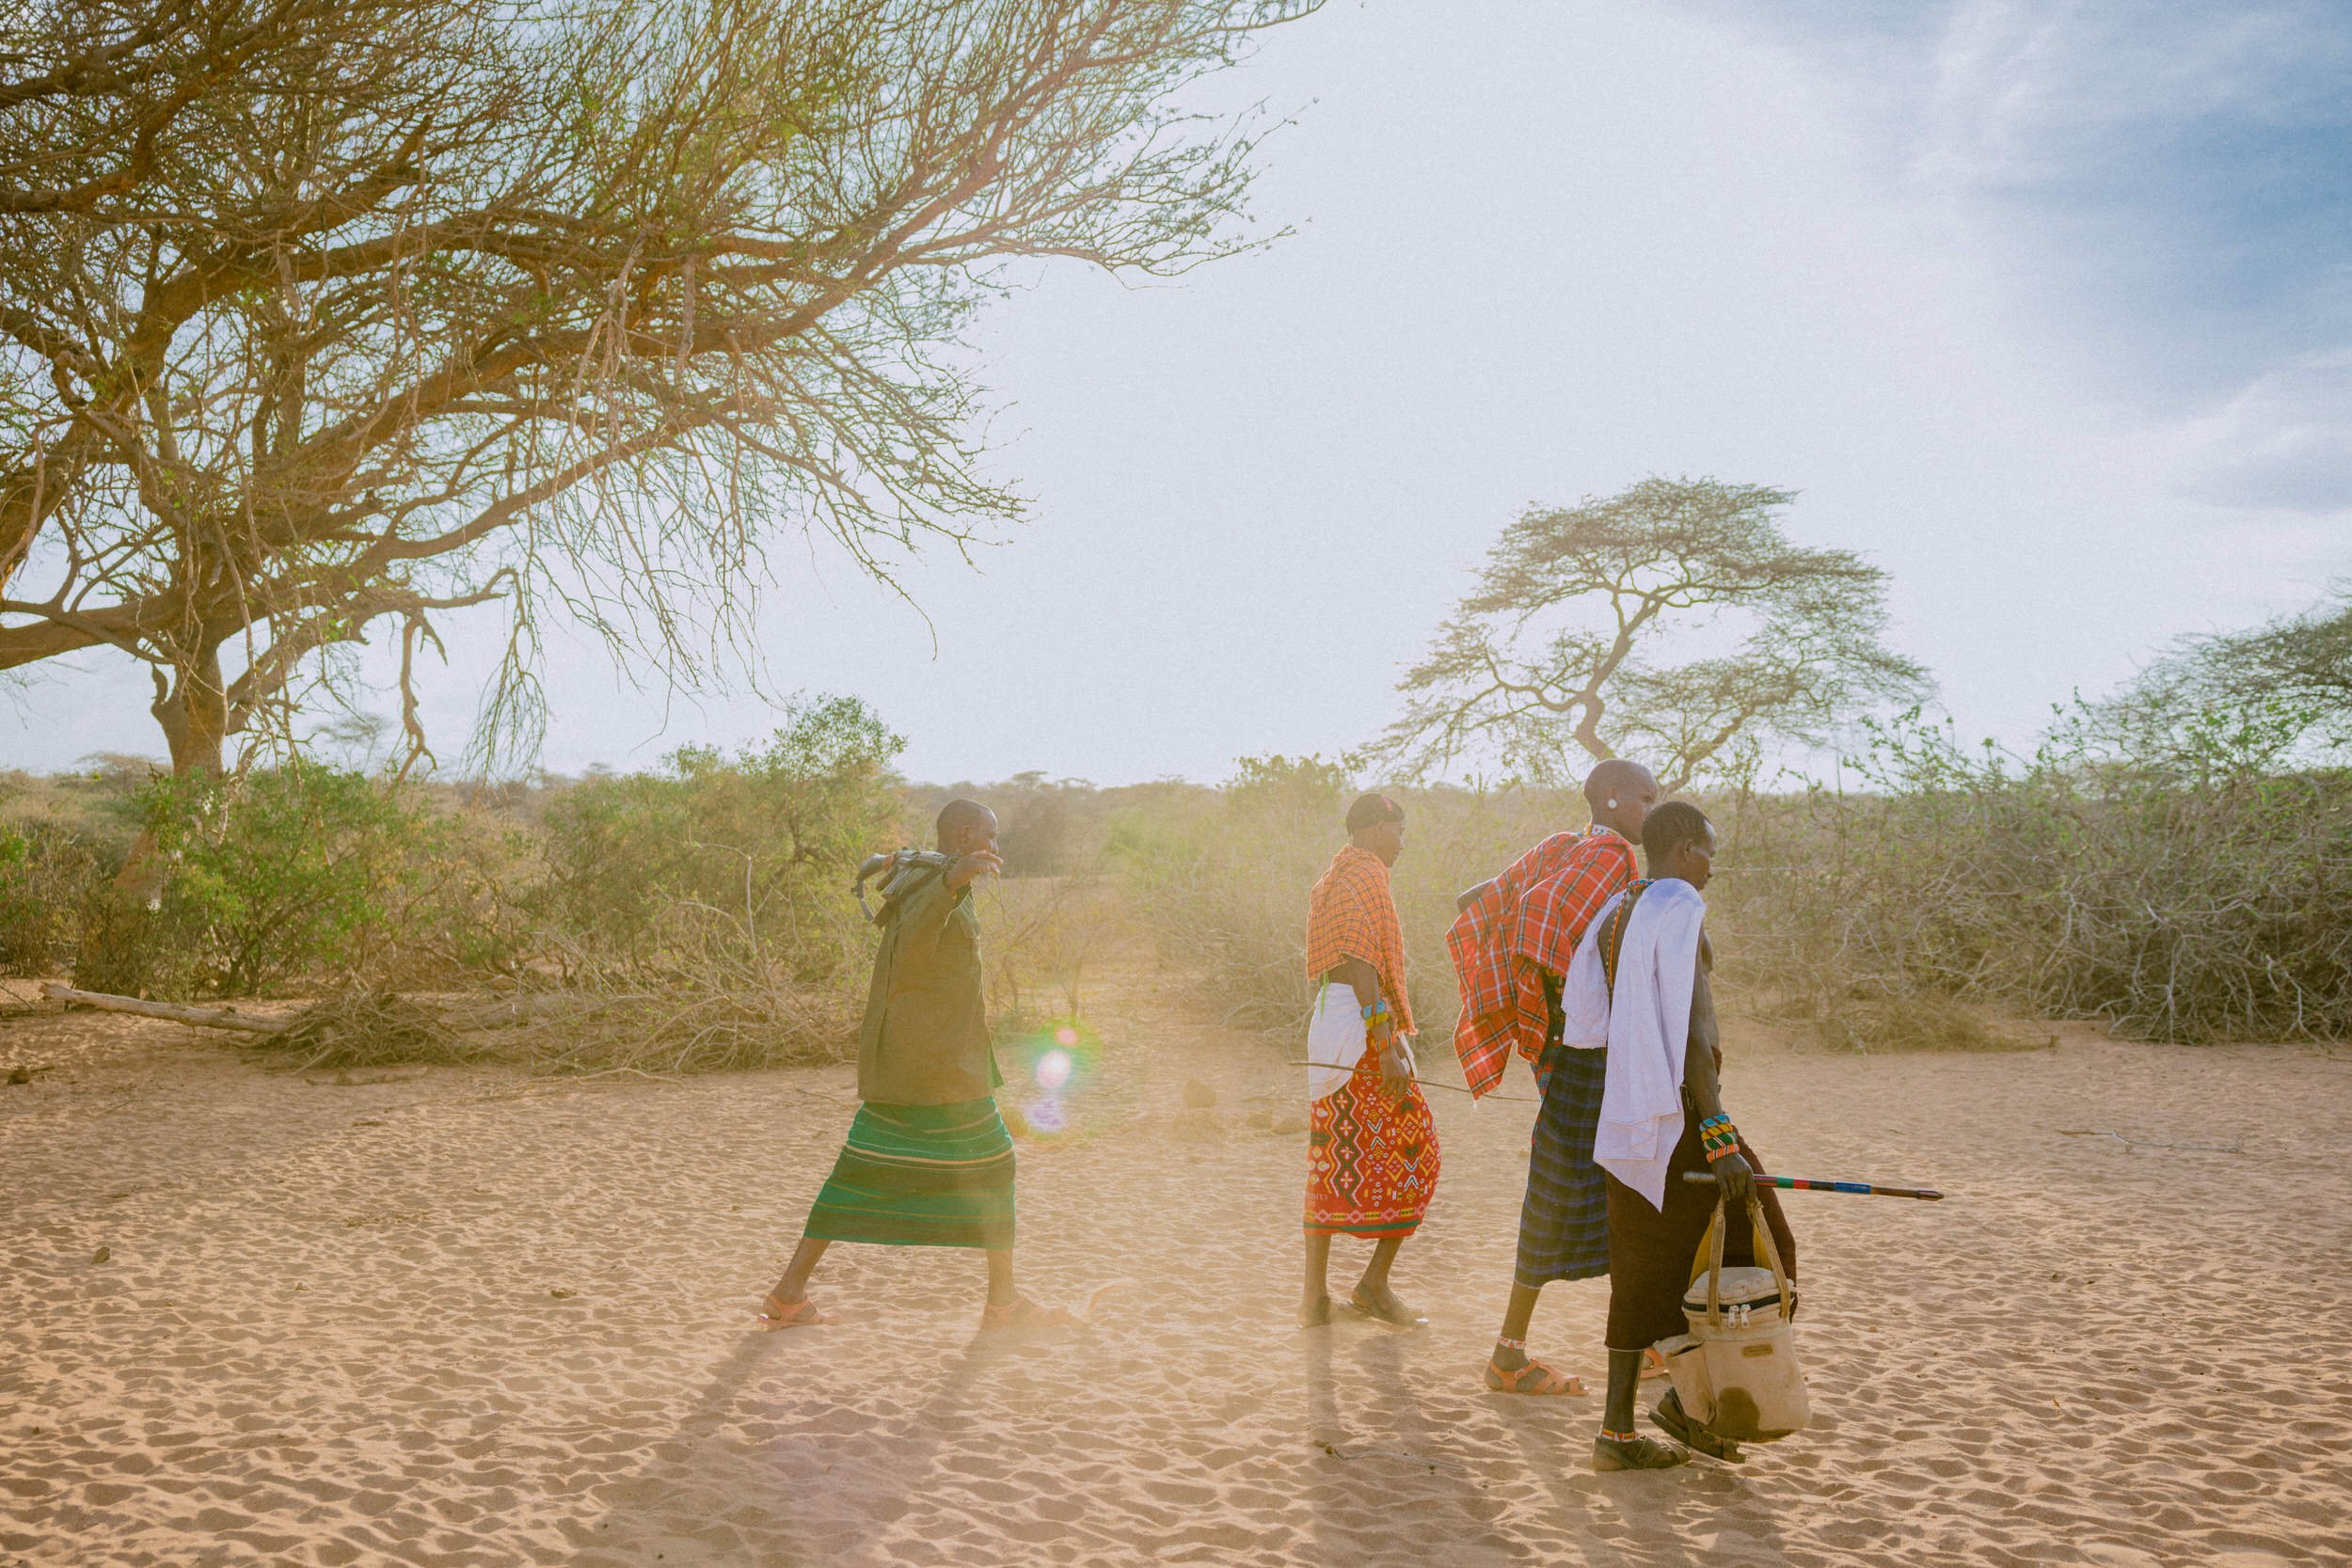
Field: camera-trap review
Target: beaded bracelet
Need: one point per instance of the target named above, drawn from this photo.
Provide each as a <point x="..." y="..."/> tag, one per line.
<point x="1718" y="1137"/>
<point x="1375" y="1010"/>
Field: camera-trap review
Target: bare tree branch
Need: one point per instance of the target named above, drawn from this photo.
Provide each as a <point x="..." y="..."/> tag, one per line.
<point x="340" y="310"/>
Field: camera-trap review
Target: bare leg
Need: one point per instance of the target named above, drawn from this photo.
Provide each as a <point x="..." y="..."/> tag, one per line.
<point x="1516" y="1318"/>
<point x="1372" y="1291"/>
<point x="793" y="1288"/>
<point x="1314" y="1304"/>
<point x="1000" y="1290"/>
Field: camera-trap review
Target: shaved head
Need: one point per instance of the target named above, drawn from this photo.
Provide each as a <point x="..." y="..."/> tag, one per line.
<point x="1621" y="793"/>
<point x="960" y="819"/>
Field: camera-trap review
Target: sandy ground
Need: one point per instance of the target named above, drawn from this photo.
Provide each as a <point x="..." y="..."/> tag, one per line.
<point x="463" y="1317"/>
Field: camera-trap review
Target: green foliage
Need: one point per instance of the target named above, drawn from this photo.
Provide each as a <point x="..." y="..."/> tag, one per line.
<point x="751" y="853"/>
<point x="2261" y="701"/>
<point x="60" y="839"/>
<point x="46" y="869"/>
<point x="276" y="874"/>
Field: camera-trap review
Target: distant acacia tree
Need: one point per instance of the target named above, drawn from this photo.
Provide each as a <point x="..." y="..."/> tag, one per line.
<point x="2250" y="700"/>
<point x="320" y="318"/>
<point x="1555" y="657"/>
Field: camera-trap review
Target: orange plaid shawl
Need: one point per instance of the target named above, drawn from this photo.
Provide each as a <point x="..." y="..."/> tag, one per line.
<point x="1351" y="914"/>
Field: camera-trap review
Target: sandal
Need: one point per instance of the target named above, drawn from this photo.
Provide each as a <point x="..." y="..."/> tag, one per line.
<point x="1534" y="1378"/>
<point x="1678" y="1424"/>
<point x="1639" y="1453"/>
<point x="781" y="1314"/>
<point x="1654" y="1364"/>
<point x="1021" y="1313"/>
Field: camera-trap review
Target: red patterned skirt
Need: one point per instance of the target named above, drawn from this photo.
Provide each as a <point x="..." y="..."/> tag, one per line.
<point x="1371" y="1162"/>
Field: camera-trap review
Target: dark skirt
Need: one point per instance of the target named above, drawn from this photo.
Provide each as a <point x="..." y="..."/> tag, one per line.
<point x="1653" y="1254"/>
<point x="1563" y="1223"/>
<point x="920" y="1176"/>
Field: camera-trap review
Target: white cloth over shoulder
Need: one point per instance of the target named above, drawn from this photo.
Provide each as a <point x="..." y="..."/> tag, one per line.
<point x="1645" y="1027"/>
<point x="1335" y="1041"/>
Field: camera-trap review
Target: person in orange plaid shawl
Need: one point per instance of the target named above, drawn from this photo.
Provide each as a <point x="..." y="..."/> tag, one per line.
<point x="1372" y="1160"/>
<point x="1511" y="945"/>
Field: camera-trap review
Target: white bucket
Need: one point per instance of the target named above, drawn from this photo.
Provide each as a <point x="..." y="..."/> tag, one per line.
<point x="1736" y="1372"/>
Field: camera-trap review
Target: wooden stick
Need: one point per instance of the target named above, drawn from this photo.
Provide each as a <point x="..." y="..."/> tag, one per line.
<point x="171" y="1012"/>
<point x="1810" y="1184"/>
<point x="1450" y="1088"/>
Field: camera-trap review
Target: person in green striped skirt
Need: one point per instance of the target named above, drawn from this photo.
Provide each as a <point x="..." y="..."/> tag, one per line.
<point x="927" y="1160"/>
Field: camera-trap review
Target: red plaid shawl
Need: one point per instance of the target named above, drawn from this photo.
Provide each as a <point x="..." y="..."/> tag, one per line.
<point x="1351" y="914"/>
<point x="1528" y="921"/>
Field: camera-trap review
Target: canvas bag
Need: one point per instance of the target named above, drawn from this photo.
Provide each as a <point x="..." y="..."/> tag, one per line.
<point x="1737" y="1372"/>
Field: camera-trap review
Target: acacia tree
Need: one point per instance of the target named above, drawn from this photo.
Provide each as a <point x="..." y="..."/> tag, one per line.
<point x="2245" y="701"/>
<point x="426" y="304"/>
<point x="1556" y="651"/>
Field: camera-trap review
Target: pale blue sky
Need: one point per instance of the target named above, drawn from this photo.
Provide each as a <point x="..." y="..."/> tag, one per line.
<point x="2044" y="308"/>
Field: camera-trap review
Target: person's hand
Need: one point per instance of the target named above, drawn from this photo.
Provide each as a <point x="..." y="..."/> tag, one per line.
<point x="980" y="862"/>
<point x="1736" y="1180"/>
<point x="1396" y="1069"/>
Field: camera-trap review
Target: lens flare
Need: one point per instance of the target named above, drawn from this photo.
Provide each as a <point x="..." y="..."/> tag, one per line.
<point x="1053" y="1069"/>
<point x="1066" y="1036"/>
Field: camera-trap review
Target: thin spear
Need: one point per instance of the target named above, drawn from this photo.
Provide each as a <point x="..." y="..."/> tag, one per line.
<point x="1808" y="1184"/>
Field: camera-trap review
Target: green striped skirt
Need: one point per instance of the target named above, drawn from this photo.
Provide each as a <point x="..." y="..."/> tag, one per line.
<point x="920" y="1176"/>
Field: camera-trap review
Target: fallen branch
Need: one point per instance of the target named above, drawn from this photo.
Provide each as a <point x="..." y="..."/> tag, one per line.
<point x="170" y="1012"/>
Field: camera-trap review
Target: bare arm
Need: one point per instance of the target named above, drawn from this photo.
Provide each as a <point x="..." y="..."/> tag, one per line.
<point x="1364" y="981"/>
<point x="1701" y="1074"/>
<point x="1464" y="901"/>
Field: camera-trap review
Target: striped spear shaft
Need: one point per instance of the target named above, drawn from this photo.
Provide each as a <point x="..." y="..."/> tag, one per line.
<point x="1810" y="1184"/>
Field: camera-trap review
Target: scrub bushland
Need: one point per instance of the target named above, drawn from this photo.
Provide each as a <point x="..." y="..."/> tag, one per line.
<point x="693" y="917"/>
<point x="2180" y="905"/>
<point x="697" y="916"/>
<point x="1954" y="886"/>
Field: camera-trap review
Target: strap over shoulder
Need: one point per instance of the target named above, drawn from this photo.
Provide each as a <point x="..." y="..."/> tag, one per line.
<point x="1612" y="931"/>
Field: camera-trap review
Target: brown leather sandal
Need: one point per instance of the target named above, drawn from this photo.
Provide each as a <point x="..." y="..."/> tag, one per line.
<point x="1534" y="1378"/>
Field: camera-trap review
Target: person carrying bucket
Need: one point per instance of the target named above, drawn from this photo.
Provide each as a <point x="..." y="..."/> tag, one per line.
<point x="1638" y="989"/>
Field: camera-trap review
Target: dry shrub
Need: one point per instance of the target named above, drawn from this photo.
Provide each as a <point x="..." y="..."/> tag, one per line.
<point x="683" y="1031"/>
<point x="365" y="1028"/>
<point x="667" y="1032"/>
<point x="1864" y="1026"/>
<point x="1041" y="937"/>
<point x="2068" y="884"/>
<point x="1220" y="879"/>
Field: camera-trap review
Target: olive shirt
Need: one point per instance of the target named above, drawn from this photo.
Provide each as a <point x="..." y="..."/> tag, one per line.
<point x="924" y="1038"/>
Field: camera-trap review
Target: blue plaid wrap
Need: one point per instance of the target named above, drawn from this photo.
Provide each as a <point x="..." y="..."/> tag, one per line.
<point x="1563" y="1225"/>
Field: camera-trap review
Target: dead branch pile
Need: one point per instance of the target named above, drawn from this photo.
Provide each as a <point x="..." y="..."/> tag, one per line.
<point x="366" y="1028"/>
<point x="668" y="1031"/>
<point x="684" y="1030"/>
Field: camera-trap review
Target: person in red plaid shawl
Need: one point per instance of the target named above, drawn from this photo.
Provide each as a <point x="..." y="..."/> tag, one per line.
<point x="1371" y="1150"/>
<point x="1511" y="945"/>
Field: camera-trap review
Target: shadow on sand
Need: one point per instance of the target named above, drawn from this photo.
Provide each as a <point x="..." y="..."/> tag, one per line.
<point x="776" y="1481"/>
